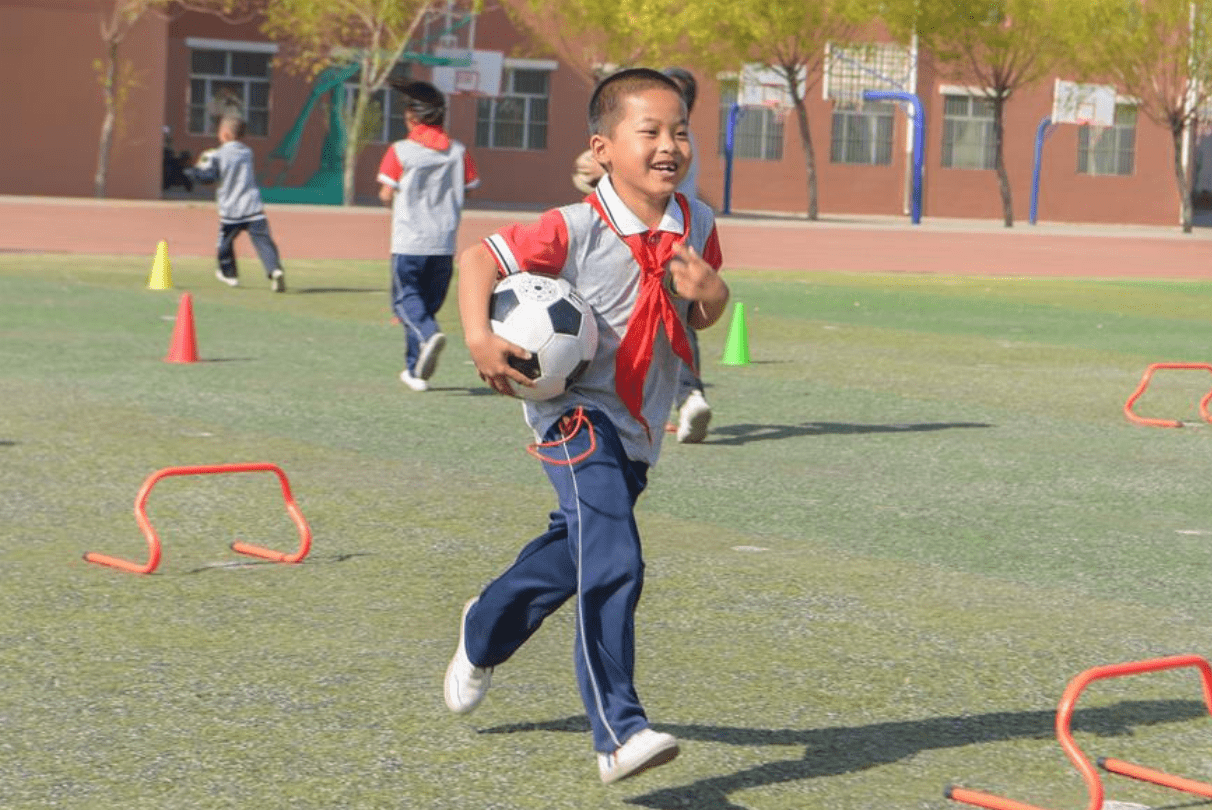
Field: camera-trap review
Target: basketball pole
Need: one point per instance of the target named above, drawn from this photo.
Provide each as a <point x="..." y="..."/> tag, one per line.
<point x="1041" y="133"/>
<point x="919" y="137"/>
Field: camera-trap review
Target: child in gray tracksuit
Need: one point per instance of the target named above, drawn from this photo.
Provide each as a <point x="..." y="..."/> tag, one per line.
<point x="239" y="201"/>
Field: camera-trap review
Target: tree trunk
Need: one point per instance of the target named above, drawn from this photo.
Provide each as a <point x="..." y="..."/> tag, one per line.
<point x="109" y="92"/>
<point x="351" y="149"/>
<point x="801" y="117"/>
<point x="1180" y="178"/>
<point x="999" y="162"/>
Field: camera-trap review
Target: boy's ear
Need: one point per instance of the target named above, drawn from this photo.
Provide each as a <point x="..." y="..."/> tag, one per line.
<point x="599" y="147"/>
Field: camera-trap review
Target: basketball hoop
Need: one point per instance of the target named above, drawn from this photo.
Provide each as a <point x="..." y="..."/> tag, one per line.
<point x="1097" y="131"/>
<point x="850" y="69"/>
<point x="777" y="108"/>
<point x="1083" y="104"/>
<point x="476" y="73"/>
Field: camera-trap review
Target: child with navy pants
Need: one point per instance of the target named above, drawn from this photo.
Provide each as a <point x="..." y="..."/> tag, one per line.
<point x="646" y="260"/>
<point x="424" y="178"/>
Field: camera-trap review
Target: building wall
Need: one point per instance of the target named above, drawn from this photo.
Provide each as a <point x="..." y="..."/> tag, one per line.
<point x="514" y="177"/>
<point x="54" y="108"/>
<point x="1147" y="196"/>
<point x="58" y="141"/>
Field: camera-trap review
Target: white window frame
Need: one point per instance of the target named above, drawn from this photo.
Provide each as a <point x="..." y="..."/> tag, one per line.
<point x="1113" y="154"/>
<point x="534" y="119"/>
<point x="970" y="134"/>
<point x="866" y="133"/>
<point x="228" y="47"/>
<point x="759" y="131"/>
<point x="393" y="127"/>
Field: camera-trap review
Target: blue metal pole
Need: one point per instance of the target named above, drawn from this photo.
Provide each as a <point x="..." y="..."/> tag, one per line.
<point x="1041" y="132"/>
<point x="919" y="140"/>
<point x="729" y="142"/>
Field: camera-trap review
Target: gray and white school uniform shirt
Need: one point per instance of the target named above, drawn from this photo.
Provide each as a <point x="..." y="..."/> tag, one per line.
<point x="238" y="197"/>
<point x="574" y="242"/>
<point x="430" y="189"/>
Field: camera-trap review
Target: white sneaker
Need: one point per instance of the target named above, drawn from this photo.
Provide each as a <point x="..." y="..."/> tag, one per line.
<point x="693" y="418"/>
<point x="466" y="684"/>
<point x="413" y="382"/>
<point x="277" y="280"/>
<point x="230" y="281"/>
<point x="427" y="357"/>
<point x="643" y="750"/>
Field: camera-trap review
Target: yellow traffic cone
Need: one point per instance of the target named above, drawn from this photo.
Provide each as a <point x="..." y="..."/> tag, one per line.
<point x="736" y="350"/>
<point x="161" y="277"/>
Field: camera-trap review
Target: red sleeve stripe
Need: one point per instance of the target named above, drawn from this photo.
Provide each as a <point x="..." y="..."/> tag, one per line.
<point x="711" y="250"/>
<point x="500" y="251"/>
<point x="471" y="173"/>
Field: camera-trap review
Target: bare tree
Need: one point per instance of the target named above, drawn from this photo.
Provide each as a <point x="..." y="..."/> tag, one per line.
<point x="1160" y="53"/>
<point x="117" y="76"/>
<point x="1002" y="46"/>
<point x="374" y="34"/>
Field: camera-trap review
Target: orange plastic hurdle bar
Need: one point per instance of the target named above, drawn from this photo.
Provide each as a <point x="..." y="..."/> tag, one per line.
<point x="1144" y="383"/>
<point x="1064" y="717"/>
<point x="153" y="540"/>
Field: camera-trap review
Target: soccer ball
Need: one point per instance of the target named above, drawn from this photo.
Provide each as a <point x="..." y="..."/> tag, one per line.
<point x="548" y="318"/>
<point x="204" y="159"/>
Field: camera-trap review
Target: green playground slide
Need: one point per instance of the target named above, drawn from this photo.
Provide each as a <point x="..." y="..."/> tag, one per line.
<point x="325" y="186"/>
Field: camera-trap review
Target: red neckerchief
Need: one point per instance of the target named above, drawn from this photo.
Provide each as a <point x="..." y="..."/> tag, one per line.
<point x="653" y="310"/>
<point x="430" y="136"/>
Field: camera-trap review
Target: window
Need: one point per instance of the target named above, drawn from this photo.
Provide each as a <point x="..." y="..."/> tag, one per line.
<point x="516" y="119"/>
<point x="1109" y="150"/>
<point x="226" y="81"/>
<point x="862" y="133"/>
<point x="967" y="132"/>
<point x="759" y="130"/>
<point x="386" y="110"/>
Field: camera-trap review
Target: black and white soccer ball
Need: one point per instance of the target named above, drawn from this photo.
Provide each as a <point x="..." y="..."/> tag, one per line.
<point x="205" y="159"/>
<point x="550" y="319"/>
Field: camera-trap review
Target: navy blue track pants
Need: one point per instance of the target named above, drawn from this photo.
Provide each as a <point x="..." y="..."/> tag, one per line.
<point x="263" y="242"/>
<point x="590" y="552"/>
<point x="418" y="289"/>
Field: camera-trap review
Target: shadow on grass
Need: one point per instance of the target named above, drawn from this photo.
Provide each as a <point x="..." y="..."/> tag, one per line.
<point x="744" y="433"/>
<point x="252" y="562"/>
<point x="481" y="391"/>
<point x="843" y="750"/>
<point x="307" y="290"/>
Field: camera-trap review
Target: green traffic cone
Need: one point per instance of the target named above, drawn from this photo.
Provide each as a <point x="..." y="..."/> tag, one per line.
<point x="736" y="350"/>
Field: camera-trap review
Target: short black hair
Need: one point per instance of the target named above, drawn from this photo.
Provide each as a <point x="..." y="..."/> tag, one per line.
<point x="685" y="79"/>
<point x="606" y="101"/>
<point x="424" y="100"/>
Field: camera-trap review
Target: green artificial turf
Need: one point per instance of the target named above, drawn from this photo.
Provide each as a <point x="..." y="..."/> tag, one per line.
<point x="919" y="512"/>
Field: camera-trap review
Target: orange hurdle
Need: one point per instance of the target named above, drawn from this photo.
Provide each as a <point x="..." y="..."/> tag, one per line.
<point x="1064" y="717"/>
<point x="153" y="540"/>
<point x="1144" y="383"/>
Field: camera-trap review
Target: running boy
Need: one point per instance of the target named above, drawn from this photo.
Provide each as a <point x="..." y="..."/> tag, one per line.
<point x="694" y="413"/>
<point x="239" y="201"/>
<point x="646" y="259"/>
<point x="423" y="178"/>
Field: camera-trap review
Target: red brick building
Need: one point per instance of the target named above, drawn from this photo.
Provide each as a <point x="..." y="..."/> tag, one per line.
<point x="525" y="140"/>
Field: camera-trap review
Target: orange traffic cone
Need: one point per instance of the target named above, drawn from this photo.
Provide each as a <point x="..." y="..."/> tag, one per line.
<point x="184" y="348"/>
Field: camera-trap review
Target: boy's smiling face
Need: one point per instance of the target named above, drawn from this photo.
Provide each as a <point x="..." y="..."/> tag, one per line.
<point x="647" y="152"/>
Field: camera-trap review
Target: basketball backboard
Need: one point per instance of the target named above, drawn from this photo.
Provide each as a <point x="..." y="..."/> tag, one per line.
<point x="474" y="72"/>
<point x="850" y="69"/>
<point x="1076" y="103"/>
<point x="765" y="86"/>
